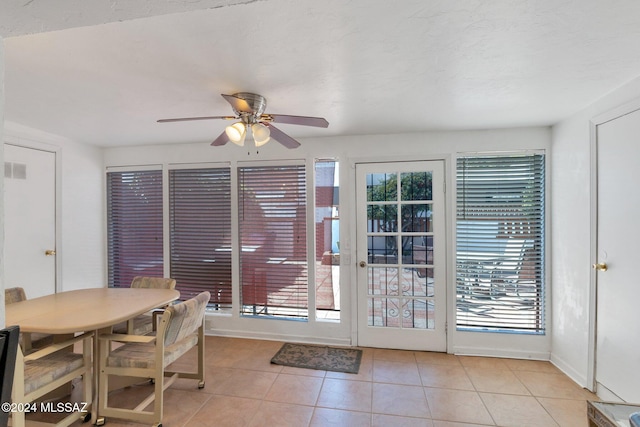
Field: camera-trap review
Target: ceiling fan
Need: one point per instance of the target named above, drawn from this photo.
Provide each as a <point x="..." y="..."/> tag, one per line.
<point x="249" y="109"/>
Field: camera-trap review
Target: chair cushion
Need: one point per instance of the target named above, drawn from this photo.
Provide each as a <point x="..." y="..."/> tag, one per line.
<point x="12" y="295"/>
<point x="153" y="282"/>
<point x="142" y="355"/>
<point x="38" y="373"/>
<point x="142" y="325"/>
<point x="39" y="340"/>
<point x="186" y="318"/>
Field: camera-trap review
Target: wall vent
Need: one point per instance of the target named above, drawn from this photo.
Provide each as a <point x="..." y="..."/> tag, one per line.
<point x="15" y="170"/>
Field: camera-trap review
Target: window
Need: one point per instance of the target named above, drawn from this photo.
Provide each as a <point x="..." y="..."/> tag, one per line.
<point x="200" y="233"/>
<point x="327" y="261"/>
<point x="273" y="256"/>
<point x="500" y="243"/>
<point x="134" y="226"/>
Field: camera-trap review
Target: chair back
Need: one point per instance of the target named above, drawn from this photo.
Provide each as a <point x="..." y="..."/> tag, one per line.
<point x="185" y="318"/>
<point x="153" y="282"/>
<point x="12" y="295"/>
<point x="8" y="351"/>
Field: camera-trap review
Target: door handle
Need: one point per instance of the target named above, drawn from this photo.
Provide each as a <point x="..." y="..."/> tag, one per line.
<point x="50" y="252"/>
<point x="601" y="266"/>
<point x="363" y="264"/>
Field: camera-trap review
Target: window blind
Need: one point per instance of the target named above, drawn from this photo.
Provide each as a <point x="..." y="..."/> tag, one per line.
<point x="134" y="226"/>
<point x="500" y="216"/>
<point x="272" y="227"/>
<point x="200" y="233"/>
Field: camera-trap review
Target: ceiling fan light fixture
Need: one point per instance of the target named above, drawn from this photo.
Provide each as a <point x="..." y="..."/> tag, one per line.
<point x="261" y="134"/>
<point x="236" y="133"/>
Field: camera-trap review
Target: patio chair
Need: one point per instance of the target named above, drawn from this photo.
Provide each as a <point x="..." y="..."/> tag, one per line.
<point x="505" y="275"/>
<point x="180" y="329"/>
<point x="45" y="370"/>
<point x="143" y="324"/>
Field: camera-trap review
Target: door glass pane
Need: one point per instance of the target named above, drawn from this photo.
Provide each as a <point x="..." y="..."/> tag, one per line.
<point x="418" y="314"/>
<point x="414" y="284"/>
<point x="416" y="217"/>
<point x="416" y="186"/>
<point x="384" y="312"/>
<point x="382" y="218"/>
<point x="382" y="249"/>
<point x="383" y="281"/>
<point x="382" y="187"/>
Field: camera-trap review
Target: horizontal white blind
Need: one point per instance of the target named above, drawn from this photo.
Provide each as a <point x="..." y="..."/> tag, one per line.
<point x="200" y="233"/>
<point x="134" y="226"/>
<point x="500" y="242"/>
<point x="273" y="257"/>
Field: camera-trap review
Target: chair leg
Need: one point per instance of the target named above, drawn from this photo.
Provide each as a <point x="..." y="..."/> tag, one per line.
<point x="158" y="390"/>
<point x="201" y="356"/>
<point x="18" y="418"/>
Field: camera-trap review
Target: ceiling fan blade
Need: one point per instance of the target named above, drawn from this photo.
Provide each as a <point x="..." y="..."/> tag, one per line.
<point x="187" y="119"/>
<point x="297" y="120"/>
<point x="221" y="140"/>
<point x="238" y="104"/>
<point x="282" y="137"/>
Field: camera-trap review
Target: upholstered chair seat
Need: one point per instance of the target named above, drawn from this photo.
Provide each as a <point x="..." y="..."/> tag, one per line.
<point x="143" y="324"/>
<point x="180" y="328"/>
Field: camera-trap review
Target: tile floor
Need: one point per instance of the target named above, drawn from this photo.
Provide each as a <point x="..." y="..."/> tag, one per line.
<point x="393" y="388"/>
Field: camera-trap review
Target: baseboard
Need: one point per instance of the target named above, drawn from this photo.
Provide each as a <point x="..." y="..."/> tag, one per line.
<point x="280" y="337"/>
<point x="497" y="352"/>
<point x="570" y="371"/>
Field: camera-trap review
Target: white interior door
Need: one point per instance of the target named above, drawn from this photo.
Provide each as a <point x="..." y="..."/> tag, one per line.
<point x="618" y="328"/>
<point x="400" y="249"/>
<point x="30" y="220"/>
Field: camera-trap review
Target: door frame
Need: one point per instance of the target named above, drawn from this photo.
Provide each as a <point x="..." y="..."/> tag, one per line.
<point x="18" y="140"/>
<point x="350" y="243"/>
<point x="598" y="120"/>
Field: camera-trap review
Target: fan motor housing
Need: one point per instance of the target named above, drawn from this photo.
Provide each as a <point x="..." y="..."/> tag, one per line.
<point x="257" y="103"/>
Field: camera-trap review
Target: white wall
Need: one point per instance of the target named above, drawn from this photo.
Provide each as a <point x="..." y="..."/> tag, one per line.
<point x="571" y="234"/>
<point x="350" y="150"/>
<point x="80" y="242"/>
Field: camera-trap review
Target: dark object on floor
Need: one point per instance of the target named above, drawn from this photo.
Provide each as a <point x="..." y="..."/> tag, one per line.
<point x="319" y="357"/>
<point x="8" y="350"/>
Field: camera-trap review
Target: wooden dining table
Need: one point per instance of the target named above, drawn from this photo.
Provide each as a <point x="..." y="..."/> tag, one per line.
<point x="82" y="310"/>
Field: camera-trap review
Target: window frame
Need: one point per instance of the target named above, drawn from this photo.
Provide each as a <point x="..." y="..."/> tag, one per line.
<point x="257" y="300"/>
<point x="111" y="280"/>
<point x="197" y="227"/>
<point x="511" y="253"/>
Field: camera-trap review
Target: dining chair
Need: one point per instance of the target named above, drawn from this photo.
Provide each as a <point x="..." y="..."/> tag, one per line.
<point x="8" y="350"/>
<point x="143" y="324"/>
<point x="28" y="341"/>
<point x="180" y="329"/>
<point x="43" y="371"/>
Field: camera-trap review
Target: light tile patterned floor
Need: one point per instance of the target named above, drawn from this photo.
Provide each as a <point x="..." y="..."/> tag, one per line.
<point x="393" y="388"/>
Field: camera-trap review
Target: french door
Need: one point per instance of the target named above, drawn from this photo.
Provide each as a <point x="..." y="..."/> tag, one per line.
<point x="400" y="248"/>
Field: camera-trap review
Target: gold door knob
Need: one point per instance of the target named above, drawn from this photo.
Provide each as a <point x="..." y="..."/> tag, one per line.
<point x="363" y="264"/>
<point x="50" y="252"/>
<point x="601" y="266"/>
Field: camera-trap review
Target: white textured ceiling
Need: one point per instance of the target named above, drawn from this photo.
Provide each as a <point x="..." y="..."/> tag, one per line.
<point x="367" y="66"/>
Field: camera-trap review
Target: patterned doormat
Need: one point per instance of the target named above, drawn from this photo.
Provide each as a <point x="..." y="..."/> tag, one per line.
<point x="319" y="357"/>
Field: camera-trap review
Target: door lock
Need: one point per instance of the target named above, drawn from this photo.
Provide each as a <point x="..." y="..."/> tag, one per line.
<point x="50" y="252"/>
<point x="363" y="264"/>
